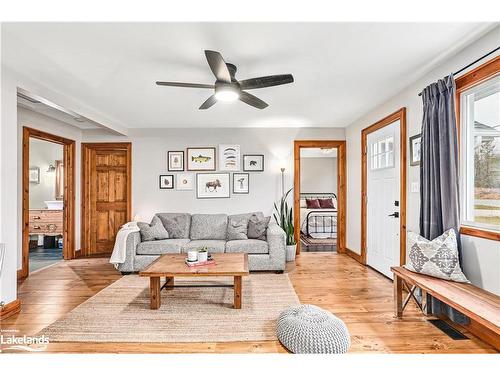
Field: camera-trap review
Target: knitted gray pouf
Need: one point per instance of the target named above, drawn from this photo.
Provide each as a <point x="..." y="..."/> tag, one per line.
<point x="310" y="329"/>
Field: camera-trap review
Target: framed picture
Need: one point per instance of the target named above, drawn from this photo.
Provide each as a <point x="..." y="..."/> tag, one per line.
<point x="166" y="181"/>
<point x="201" y="159"/>
<point x="253" y="163"/>
<point x="34" y="175"/>
<point x="415" y="149"/>
<point x="212" y="185"/>
<point x="241" y="183"/>
<point x="185" y="181"/>
<point x="229" y="157"/>
<point x="175" y="161"/>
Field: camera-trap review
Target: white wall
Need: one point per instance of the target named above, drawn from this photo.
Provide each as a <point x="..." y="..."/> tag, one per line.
<point x="478" y="253"/>
<point x="318" y="175"/>
<point x="43" y="154"/>
<point x="149" y="155"/>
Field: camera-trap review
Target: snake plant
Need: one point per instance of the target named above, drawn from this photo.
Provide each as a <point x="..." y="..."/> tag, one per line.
<point x="284" y="218"/>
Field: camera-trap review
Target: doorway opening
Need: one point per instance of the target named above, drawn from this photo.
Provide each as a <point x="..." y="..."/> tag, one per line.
<point x="48" y="200"/>
<point x="383" y="193"/>
<point x="320" y="181"/>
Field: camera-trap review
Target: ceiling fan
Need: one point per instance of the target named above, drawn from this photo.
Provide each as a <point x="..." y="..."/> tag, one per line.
<point x="227" y="87"/>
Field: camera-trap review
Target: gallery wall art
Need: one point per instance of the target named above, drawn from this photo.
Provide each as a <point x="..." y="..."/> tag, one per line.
<point x="229" y="157"/>
<point x="201" y="159"/>
<point x="185" y="181"/>
<point x="241" y="183"/>
<point x="166" y="181"/>
<point x="212" y="185"/>
<point x="175" y="161"/>
<point x="253" y="163"/>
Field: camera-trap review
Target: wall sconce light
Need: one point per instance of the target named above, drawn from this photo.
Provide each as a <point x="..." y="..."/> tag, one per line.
<point x="51" y="168"/>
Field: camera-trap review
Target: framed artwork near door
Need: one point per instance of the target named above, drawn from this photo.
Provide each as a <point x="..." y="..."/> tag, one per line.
<point x="253" y="163"/>
<point x="396" y="206"/>
<point x="241" y="183"/>
<point x="415" y="144"/>
<point x="200" y="158"/>
<point x="175" y="161"/>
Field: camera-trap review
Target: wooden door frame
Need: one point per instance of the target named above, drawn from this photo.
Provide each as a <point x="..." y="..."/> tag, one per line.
<point x="400" y="115"/>
<point x="69" y="149"/>
<point x="340" y="145"/>
<point x="85" y="187"/>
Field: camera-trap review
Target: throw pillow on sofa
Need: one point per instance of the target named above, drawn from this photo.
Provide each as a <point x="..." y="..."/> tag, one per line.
<point x="153" y="231"/>
<point x="438" y="258"/>
<point x="257" y="227"/>
<point x="237" y="229"/>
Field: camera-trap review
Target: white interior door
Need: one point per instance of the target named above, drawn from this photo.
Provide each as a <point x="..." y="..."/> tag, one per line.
<point x="383" y="194"/>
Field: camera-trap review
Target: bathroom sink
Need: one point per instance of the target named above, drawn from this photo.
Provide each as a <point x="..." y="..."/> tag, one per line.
<point x="54" y="205"/>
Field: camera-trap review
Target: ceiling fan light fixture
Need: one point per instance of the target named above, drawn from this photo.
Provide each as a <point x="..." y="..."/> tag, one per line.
<point x="227" y="94"/>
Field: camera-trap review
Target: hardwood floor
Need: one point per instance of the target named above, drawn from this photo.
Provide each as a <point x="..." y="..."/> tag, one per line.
<point x="356" y="294"/>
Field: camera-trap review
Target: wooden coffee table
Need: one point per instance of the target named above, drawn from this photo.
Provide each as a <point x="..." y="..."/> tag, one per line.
<point x="172" y="266"/>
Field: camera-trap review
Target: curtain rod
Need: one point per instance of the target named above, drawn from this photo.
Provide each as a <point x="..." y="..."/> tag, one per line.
<point x="472" y="63"/>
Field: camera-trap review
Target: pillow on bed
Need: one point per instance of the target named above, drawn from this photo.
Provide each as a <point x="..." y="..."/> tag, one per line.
<point x="303" y="203"/>
<point x="312" y="203"/>
<point x="326" y="203"/>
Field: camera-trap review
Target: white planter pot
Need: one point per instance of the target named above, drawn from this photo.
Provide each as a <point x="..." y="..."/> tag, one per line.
<point x="290" y="252"/>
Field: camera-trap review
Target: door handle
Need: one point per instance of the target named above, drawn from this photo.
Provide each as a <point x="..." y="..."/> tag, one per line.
<point x="395" y="214"/>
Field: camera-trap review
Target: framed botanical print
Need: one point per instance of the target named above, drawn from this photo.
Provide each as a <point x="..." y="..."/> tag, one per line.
<point x="212" y="185"/>
<point x="166" y="181"/>
<point x="34" y="175"/>
<point x="253" y="163"/>
<point x="415" y="149"/>
<point x="201" y="159"/>
<point x="175" y="161"/>
<point x="185" y="181"/>
<point x="241" y="183"/>
<point x="229" y="157"/>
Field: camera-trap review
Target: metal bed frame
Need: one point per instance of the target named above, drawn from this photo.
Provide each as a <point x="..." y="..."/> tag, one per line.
<point x="310" y="229"/>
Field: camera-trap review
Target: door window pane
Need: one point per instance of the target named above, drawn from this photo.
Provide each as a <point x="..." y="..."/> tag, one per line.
<point x="382" y="153"/>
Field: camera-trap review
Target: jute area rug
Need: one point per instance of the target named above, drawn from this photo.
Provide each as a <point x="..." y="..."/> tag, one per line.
<point x="121" y="313"/>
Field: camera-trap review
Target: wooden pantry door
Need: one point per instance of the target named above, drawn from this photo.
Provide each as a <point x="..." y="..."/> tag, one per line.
<point x="106" y="194"/>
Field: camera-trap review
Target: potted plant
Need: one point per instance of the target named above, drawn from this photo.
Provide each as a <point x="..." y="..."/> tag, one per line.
<point x="284" y="218"/>
<point x="203" y="254"/>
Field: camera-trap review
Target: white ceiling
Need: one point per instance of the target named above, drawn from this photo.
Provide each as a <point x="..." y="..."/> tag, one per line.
<point x="341" y="70"/>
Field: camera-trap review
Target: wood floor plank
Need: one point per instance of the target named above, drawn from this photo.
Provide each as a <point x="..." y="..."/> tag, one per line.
<point x="358" y="295"/>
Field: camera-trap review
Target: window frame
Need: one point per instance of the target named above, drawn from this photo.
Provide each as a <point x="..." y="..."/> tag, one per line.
<point x="488" y="70"/>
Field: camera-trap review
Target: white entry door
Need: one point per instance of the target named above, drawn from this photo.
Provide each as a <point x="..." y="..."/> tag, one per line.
<point x="383" y="194"/>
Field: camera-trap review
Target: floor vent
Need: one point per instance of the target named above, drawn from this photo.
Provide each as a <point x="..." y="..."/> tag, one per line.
<point x="449" y="330"/>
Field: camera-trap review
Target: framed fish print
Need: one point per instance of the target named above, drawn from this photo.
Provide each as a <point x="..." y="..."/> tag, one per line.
<point x="185" y="181"/>
<point x="229" y="157"/>
<point x="175" y="161"/>
<point x="201" y="159"/>
<point x="253" y="163"/>
<point x="166" y="181"/>
<point x="241" y="183"/>
<point x="212" y="185"/>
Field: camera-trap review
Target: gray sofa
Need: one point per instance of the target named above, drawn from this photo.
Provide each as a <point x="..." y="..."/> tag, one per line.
<point x="191" y="232"/>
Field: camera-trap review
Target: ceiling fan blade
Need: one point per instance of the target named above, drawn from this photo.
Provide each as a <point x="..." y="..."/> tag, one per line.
<point x="209" y="102"/>
<point x="252" y="100"/>
<point x="218" y="66"/>
<point x="268" y="81"/>
<point x="183" y="84"/>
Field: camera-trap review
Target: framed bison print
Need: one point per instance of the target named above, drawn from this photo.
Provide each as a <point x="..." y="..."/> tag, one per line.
<point x="175" y="161"/>
<point x="229" y="157"/>
<point x="212" y="185"/>
<point x="201" y="159"/>
<point x="253" y="163"/>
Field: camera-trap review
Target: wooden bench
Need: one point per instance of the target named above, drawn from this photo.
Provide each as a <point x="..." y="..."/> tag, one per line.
<point x="480" y="306"/>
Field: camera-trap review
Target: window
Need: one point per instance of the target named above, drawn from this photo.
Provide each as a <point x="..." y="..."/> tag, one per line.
<point x="480" y="153"/>
<point x="383" y="153"/>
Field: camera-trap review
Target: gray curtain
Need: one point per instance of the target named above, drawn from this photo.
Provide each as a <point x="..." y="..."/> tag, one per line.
<point x="439" y="174"/>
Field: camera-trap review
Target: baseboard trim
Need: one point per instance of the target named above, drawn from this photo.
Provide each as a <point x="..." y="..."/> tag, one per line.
<point x="353" y="255"/>
<point x="78" y="254"/>
<point x="10" y="309"/>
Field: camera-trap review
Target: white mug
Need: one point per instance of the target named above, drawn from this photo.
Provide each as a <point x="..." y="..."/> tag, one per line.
<point x="192" y="256"/>
<point x="203" y="256"/>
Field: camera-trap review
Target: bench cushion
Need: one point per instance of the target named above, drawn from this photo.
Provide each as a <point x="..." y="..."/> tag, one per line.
<point x="170" y="246"/>
<point x="247" y="246"/>
<point x="214" y="246"/>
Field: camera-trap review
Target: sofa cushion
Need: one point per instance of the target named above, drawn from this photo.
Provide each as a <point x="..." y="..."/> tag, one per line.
<point x="237" y="229"/>
<point x="257" y="227"/>
<point x="170" y="246"/>
<point x="176" y="224"/>
<point x="208" y="227"/>
<point x="153" y="231"/>
<point x="247" y="246"/>
<point x="214" y="246"/>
